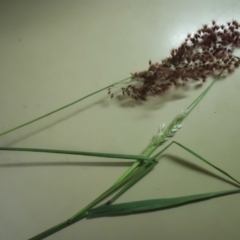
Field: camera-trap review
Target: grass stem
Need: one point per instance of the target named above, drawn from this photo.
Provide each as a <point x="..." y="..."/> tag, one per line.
<point x="61" y="108"/>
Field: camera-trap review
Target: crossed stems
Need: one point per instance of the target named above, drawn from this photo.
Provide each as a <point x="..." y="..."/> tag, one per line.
<point x="138" y="170"/>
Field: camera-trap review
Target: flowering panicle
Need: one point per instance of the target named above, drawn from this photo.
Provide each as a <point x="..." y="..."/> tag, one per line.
<point x="166" y="132"/>
<point x="205" y="53"/>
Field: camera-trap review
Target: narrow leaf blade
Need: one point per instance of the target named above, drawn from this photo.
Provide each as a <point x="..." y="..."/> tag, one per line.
<point x="154" y="204"/>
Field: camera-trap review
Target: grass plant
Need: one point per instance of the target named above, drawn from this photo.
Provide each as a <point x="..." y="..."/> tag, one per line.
<point x="208" y="52"/>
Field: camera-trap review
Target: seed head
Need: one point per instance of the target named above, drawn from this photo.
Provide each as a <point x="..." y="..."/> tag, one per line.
<point x="202" y="54"/>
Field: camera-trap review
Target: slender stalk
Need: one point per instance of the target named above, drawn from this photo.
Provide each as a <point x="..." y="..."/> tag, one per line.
<point x="61" y="108"/>
<point x="194" y="104"/>
<point x="133" y="167"/>
<point x="129" y="171"/>
<point x="57" y="228"/>
<point x="145" y="169"/>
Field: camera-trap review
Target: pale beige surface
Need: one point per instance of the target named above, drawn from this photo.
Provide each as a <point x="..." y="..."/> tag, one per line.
<point x="54" y="52"/>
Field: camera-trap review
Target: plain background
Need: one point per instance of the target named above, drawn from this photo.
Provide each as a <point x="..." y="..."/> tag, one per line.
<point x="54" y="52"/>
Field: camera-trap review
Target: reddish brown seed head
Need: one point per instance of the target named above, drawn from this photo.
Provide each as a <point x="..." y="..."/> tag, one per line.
<point x="210" y="51"/>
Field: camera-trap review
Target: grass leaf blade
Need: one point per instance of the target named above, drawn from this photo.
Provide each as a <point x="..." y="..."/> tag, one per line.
<point x="92" y="154"/>
<point x="154" y="204"/>
<point x="207" y="162"/>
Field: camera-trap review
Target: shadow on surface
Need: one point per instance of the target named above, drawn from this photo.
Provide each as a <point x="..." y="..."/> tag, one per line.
<point x="197" y="168"/>
<point x="25" y="136"/>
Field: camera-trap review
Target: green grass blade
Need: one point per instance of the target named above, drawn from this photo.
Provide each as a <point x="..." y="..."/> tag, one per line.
<point x="61" y="108"/>
<point x="93" y="154"/>
<point x="207" y="162"/>
<point x="199" y="157"/>
<point x="153" y="205"/>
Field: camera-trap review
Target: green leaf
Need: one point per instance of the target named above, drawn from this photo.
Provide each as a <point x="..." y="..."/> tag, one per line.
<point x="91" y="154"/>
<point x="199" y="157"/>
<point x="153" y="205"/>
